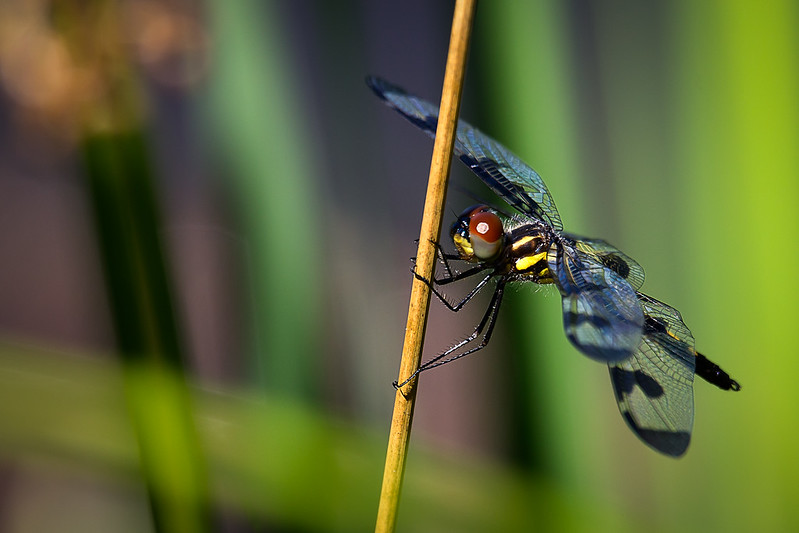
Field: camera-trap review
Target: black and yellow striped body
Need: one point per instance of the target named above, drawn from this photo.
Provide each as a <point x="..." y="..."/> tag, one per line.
<point x="526" y="254"/>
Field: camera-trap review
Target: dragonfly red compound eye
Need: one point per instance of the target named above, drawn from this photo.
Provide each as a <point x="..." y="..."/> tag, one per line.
<point x="486" y="232"/>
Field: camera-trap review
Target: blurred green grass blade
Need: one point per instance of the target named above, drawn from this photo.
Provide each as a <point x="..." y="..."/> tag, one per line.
<point x="277" y="462"/>
<point x="632" y="105"/>
<point x="267" y="160"/>
<point x="121" y="187"/>
<point x="526" y="61"/>
<point x="739" y="117"/>
<point x="127" y="222"/>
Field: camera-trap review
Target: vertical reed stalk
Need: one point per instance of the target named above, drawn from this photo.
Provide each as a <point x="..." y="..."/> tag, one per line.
<point x="404" y="400"/>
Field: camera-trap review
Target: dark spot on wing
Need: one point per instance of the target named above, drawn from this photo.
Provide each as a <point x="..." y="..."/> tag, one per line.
<point x="650" y="386"/>
<point x="653" y="325"/>
<point x="616" y="264"/>
<point x="581" y="318"/>
<point x="626" y="380"/>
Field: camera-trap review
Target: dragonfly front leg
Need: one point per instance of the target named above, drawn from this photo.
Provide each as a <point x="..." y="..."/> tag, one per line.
<point x="450" y="277"/>
<point x="443" y="257"/>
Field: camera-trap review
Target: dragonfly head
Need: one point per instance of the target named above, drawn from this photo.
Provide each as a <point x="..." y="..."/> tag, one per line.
<point x="478" y="234"/>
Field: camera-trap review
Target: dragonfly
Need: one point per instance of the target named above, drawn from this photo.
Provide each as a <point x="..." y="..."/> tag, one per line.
<point x="649" y="350"/>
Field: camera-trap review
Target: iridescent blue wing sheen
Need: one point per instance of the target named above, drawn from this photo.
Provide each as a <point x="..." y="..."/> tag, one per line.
<point x="654" y="387"/>
<point x="498" y="167"/>
<point x="601" y="313"/>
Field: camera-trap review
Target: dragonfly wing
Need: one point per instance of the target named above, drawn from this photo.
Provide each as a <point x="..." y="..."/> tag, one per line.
<point x="498" y="167"/>
<point x="613" y="258"/>
<point x="507" y="175"/>
<point x="654" y="388"/>
<point x="601" y="313"/>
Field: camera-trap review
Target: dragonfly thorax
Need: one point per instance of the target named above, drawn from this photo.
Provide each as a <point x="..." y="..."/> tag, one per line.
<point x="527" y="253"/>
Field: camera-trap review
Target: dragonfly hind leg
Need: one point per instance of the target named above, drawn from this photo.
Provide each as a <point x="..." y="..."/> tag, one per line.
<point x="486" y="324"/>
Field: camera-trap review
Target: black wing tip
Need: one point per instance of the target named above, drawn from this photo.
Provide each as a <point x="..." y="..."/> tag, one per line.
<point x="670" y="443"/>
<point x="421" y="113"/>
<point x="382" y="87"/>
<point x="675" y="453"/>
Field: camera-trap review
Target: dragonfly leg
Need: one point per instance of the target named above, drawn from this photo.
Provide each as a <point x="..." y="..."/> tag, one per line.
<point x="451" y="276"/>
<point x="486" y="323"/>
<point x="457" y="305"/>
<point x="444" y="258"/>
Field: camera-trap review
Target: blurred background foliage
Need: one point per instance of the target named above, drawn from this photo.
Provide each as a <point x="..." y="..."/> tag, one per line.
<point x="205" y="226"/>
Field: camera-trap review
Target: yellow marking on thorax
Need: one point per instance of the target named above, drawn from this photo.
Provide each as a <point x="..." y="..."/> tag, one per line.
<point x="528" y="261"/>
<point x="521" y="242"/>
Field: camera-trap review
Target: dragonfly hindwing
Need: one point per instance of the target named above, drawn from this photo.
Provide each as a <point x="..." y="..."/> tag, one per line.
<point x="654" y="388"/>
